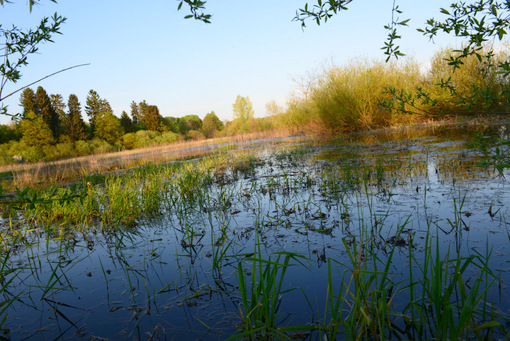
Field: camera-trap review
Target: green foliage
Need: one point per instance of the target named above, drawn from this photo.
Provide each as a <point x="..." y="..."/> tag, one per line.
<point x="35" y="131"/>
<point x="73" y="125"/>
<point x="173" y="123"/>
<point x="24" y="152"/>
<point x="167" y="137"/>
<point x="243" y="108"/>
<point x="18" y="45"/>
<point x="95" y="105"/>
<point x="152" y="118"/>
<point x="94" y="146"/>
<point x="129" y="140"/>
<point x="108" y="127"/>
<point x="27" y="100"/>
<point x="211" y="125"/>
<point x="58" y="105"/>
<point x="127" y="123"/>
<point x="196" y="8"/>
<point x="189" y="122"/>
<point x="476" y="87"/>
<point x="135" y="113"/>
<point x="194" y="135"/>
<point x="145" y="138"/>
<point x="45" y="110"/>
<point x="59" y="151"/>
<point x="9" y="132"/>
<point x="6" y="159"/>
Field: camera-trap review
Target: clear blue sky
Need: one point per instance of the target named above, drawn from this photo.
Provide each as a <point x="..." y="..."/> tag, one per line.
<point x="145" y="50"/>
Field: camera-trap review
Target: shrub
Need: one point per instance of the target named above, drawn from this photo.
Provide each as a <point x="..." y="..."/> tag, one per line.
<point x="167" y="137"/>
<point x="195" y="135"/>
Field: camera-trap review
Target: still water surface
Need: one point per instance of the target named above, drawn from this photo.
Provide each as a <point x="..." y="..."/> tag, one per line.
<point x="159" y="279"/>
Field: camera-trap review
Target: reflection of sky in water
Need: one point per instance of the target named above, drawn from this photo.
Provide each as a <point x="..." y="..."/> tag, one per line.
<point x="153" y="281"/>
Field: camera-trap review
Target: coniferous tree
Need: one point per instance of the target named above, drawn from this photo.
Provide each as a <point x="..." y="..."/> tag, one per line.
<point x="135" y="113"/>
<point x="142" y="111"/>
<point x="152" y="118"/>
<point x="127" y="123"/>
<point x="93" y="106"/>
<point x="74" y="125"/>
<point x="58" y="105"/>
<point x="105" y="106"/>
<point x="45" y="110"/>
<point x="27" y="100"/>
<point x="57" y="102"/>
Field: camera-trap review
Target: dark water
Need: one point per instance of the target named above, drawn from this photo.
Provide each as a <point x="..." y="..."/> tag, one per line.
<point x="308" y="199"/>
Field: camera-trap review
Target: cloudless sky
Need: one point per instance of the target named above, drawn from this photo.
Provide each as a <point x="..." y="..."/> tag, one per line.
<point x="145" y="50"/>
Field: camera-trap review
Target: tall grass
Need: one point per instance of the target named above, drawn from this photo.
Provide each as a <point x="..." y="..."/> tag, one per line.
<point x="364" y="95"/>
<point x="347" y="98"/>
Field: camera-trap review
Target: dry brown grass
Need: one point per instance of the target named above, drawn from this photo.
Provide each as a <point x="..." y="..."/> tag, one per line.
<point x="43" y="173"/>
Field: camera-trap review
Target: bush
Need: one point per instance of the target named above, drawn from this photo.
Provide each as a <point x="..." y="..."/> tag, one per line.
<point x="195" y="135"/>
<point x="59" y="151"/>
<point x="6" y="159"/>
<point x="145" y="138"/>
<point x="167" y="137"/>
<point x="83" y="147"/>
<point x="25" y="152"/>
<point x="477" y="87"/>
<point x="129" y="140"/>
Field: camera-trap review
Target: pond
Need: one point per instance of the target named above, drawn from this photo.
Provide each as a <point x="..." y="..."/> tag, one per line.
<point x="397" y="233"/>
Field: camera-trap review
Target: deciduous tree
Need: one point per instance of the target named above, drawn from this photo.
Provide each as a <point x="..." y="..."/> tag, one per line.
<point x="108" y="127"/>
<point x="243" y="108"/>
<point x="211" y="124"/>
<point x="35" y="131"/>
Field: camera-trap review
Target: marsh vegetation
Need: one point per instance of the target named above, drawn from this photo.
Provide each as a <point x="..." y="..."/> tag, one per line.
<point x="391" y="234"/>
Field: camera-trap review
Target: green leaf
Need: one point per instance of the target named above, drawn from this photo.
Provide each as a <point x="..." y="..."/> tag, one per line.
<point x="490" y="324"/>
<point x="404" y="23"/>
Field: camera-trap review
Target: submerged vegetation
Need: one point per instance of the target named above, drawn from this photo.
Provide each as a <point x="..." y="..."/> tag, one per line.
<point x="358" y="239"/>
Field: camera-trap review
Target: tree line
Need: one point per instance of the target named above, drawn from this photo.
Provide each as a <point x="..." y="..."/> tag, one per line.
<point x="49" y="127"/>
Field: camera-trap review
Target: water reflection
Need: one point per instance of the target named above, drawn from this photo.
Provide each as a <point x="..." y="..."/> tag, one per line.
<point x="176" y="274"/>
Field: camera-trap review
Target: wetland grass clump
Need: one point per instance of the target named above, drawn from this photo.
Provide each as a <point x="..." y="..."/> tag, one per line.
<point x="347" y="98"/>
<point x="262" y="288"/>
